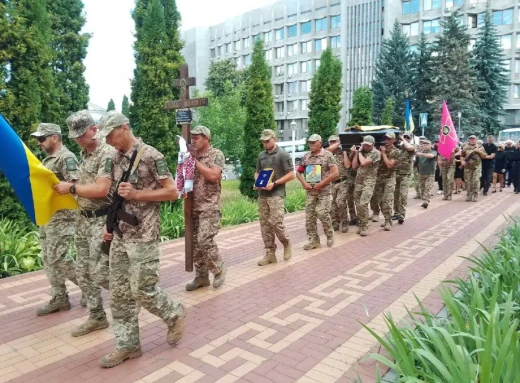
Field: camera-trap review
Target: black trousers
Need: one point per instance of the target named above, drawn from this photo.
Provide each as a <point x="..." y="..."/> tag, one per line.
<point x="487" y="176"/>
<point x="515" y="175"/>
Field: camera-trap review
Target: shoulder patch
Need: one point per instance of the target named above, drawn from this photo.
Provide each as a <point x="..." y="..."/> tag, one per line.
<point x="162" y="168"/>
<point x="108" y="165"/>
<point x="70" y="162"/>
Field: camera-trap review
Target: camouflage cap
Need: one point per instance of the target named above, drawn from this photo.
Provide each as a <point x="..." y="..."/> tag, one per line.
<point x="79" y="122"/>
<point x="427" y="142"/>
<point x="45" y="129"/>
<point x="422" y="138"/>
<point x="369" y="140"/>
<point x="201" y="130"/>
<point x="314" y="137"/>
<point x="267" y="134"/>
<point x="334" y="138"/>
<point x="110" y="121"/>
<point x="472" y="136"/>
<point x="390" y="135"/>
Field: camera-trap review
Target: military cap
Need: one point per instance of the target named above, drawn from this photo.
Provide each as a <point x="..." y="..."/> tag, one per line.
<point x="369" y="140"/>
<point x="427" y="142"/>
<point x="314" y="137"/>
<point x="472" y="136"/>
<point x="79" y="122"/>
<point x="390" y="135"/>
<point x="334" y="138"/>
<point x="422" y="138"/>
<point x="201" y="130"/>
<point x="45" y="129"/>
<point x="267" y="134"/>
<point x="110" y="121"/>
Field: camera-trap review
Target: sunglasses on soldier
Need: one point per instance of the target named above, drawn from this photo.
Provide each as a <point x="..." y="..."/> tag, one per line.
<point x="42" y="139"/>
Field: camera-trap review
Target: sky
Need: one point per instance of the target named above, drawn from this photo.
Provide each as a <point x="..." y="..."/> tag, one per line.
<point x="110" y="60"/>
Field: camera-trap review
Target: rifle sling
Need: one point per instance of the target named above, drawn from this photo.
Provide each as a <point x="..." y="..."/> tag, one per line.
<point x="137" y="159"/>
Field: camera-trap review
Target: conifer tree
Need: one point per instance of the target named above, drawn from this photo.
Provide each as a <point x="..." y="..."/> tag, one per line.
<point x="491" y="74"/>
<point x="325" y="96"/>
<point x="111" y="105"/>
<point x="125" y="106"/>
<point x="393" y="74"/>
<point x="422" y="82"/>
<point x="388" y="112"/>
<point x="220" y="72"/>
<point x="362" y="107"/>
<point x="259" y="116"/>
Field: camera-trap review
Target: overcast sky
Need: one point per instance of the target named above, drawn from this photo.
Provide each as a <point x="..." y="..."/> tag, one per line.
<point x="110" y="60"/>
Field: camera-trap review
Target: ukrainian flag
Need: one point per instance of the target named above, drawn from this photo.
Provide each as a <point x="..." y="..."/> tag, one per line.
<point x="31" y="181"/>
<point x="408" y="120"/>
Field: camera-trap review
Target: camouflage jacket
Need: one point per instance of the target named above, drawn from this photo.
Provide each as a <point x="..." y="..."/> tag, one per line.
<point x="343" y="171"/>
<point x="472" y="157"/>
<point x="324" y="158"/>
<point x="368" y="174"/>
<point x="383" y="172"/>
<point x="206" y="195"/>
<point x="447" y="162"/>
<point x="405" y="163"/>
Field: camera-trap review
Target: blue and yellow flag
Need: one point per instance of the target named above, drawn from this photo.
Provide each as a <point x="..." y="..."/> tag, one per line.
<point x="408" y="120"/>
<point x="31" y="181"/>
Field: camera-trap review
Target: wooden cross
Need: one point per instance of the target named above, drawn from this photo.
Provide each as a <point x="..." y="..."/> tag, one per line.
<point x="184" y="82"/>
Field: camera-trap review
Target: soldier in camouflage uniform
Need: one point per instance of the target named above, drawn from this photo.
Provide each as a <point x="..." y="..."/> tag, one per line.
<point x="209" y="166"/>
<point x="351" y="185"/>
<point x="447" y="168"/>
<point x="471" y="160"/>
<point x="366" y="161"/>
<point x="134" y="258"/>
<point x="317" y="183"/>
<point x="416" y="177"/>
<point x="426" y="159"/>
<point x="383" y="198"/>
<point x="56" y="236"/>
<point x="94" y="195"/>
<point x="271" y="200"/>
<point x="339" y="210"/>
<point x="403" y="172"/>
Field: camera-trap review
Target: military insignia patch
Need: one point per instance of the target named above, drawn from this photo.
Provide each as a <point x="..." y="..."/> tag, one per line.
<point x="108" y="165"/>
<point x="71" y="163"/>
<point x="445" y="130"/>
<point x="162" y="169"/>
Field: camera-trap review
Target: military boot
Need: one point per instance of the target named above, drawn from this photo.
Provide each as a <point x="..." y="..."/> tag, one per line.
<point x="387" y="225"/>
<point x="57" y="303"/>
<point x="335" y="226"/>
<point x="448" y="198"/>
<point x="445" y="198"/>
<point x="330" y="241"/>
<point x="175" y="331"/>
<point x="375" y="217"/>
<point x="287" y="251"/>
<point x="269" y="257"/>
<point x="364" y="231"/>
<point x="220" y="277"/>
<point x="344" y="227"/>
<point x="474" y="198"/>
<point x="468" y="199"/>
<point x="359" y="230"/>
<point x="89" y="326"/>
<point x="311" y="245"/>
<point x="197" y="283"/>
<point x="118" y="357"/>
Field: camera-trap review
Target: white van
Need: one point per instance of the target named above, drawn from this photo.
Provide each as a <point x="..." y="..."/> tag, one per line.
<point x="299" y="151"/>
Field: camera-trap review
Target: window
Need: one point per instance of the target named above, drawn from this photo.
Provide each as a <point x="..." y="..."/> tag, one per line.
<point x="306" y="47"/>
<point x="335" y="42"/>
<point x="278" y="89"/>
<point x="505" y="41"/>
<point x="292" y="106"/>
<point x="212" y="53"/>
<point x="317" y="64"/>
<point x="292" y="30"/>
<point x="517" y="66"/>
<point x="476" y="21"/>
<point x="305" y="86"/>
<point x="304" y="104"/>
<point x="278" y="70"/>
<point x="431" y="4"/>
<point x="503" y="17"/>
<point x="256" y="38"/>
<point x="477" y="1"/>
<point x="245" y="42"/>
<point x="219" y="50"/>
<point x="247" y="60"/>
<point x="411" y="29"/>
<point x="228" y="48"/>
<point x="267" y="37"/>
<point x="268" y="55"/>
<point x="321" y="24"/>
<point x="292" y="50"/>
<point x="516" y="90"/>
<point x="237" y="45"/>
<point x="292" y="69"/>
<point x="335" y="21"/>
<point x="320" y="44"/>
<point x="306" y="28"/>
<point x="279" y="107"/>
<point x="278" y="53"/>
<point x="279" y="34"/>
<point x="431" y="26"/>
<point x="305" y="67"/>
<point x="291" y="87"/>
<point x="410" y="6"/>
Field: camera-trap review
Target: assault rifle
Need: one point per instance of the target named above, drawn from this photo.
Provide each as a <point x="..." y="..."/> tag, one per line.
<point x="116" y="212"/>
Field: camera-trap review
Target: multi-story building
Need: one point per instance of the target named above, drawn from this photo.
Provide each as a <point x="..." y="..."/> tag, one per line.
<point x="295" y="32"/>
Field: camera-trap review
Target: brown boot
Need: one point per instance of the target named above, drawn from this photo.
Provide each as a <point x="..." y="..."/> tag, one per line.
<point x="57" y="303"/>
<point x="387" y="226"/>
<point x="269" y="257"/>
<point x="175" y="331"/>
<point x="311" y="245"/>
<point x="375" y="217"/>
<point x="287" y="251"/>
<point x="197" y="283"/>
<point x="89" y="326"/>
<point x="118" y="357"/>
<point x="220" y="277"/>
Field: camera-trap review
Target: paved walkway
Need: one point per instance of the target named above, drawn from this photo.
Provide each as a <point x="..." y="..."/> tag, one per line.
<point x="293" y="321"/>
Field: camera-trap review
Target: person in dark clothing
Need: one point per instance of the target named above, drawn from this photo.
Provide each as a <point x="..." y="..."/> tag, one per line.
<point x="508" y="149"/>
<point x="514" y="159"/>
<point x="500" y="168"/>
<point x="438" y="177"/>
<point x="488" y="163"/>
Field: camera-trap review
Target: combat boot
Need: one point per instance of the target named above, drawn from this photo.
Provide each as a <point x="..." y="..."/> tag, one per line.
<point x="287" y="251"/>
<point x="269" y="257"/>
<point x="220" y="277"/>
<point x="444" y="198"/>
<point x="425" y="205"/>
<point x="330" y="241"/>
<point x="89" y="326"/>
<point x="448" y="198"/>
<point x="175" y="331"/>
<point x="354" y="221"/>
<point x="400" y="219"/>
<point x="311" y="245"/>
<point x="344" y="227"/>
<point x="387" y="225"/>
<point x="364" y="232"/>
<point x="335" y="227"/>
<point x="468" y="199"/>
<point x="197" y="283"/>
<point x="475" y="198"/>
<point x="118" y="357"/>
<point x="375" y="217"/>
<point x="57" y="303"/>
<point x="359" y="230"/>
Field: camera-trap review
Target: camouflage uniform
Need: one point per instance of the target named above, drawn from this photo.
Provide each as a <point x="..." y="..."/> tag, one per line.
<point x="317" y="204"/>
<point x="384" y="190"/>
<point x="339" y="208"/>
<point x="134" y="258"/>
<point x="447" y="166"/>
<point x="416" y="176"/>
<point x="351" y="184"/>
<point x="403" y="172"/>
<point x="365" y="183"/>
<point x="472" y="170"/>
<point x="427" y="175"/>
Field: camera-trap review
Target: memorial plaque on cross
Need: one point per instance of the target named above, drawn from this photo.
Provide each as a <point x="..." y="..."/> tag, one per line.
<point x="183" y="118"/>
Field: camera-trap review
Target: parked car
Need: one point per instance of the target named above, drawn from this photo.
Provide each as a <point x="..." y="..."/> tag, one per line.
<point x="299" y="150"/>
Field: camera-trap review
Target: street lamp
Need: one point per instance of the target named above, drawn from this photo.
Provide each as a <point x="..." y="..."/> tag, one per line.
<point x="459" y="115"/>
<point x="293" y="133"/>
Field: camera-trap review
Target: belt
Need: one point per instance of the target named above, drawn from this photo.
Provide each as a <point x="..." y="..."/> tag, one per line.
<point x="94" y="213"/>
<point x="338" y="180"/>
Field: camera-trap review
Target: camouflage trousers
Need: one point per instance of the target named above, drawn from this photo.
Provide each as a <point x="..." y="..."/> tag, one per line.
<point x="448" y="177"/>
<point x="426" y="182"/>
<point x="271" y="211"/>
<point x="417" y="181"/>
<point x="91" y="263"/>
<point x="383" y="198"/>
<point x="318" y="207"/>
<point x="402" y="185"/>
<point x="55" y="240"/>
<point x="134" y="273"/>
<point x="351" y="185"/>
<point x="206" y="257"/>
<point x="363" y="193"/>
<point x="472" y="179"/>
<point x="339" y="208"/>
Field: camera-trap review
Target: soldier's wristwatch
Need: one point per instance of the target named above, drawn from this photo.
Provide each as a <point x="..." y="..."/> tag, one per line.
<point x="274" y="184"/>
<point x="72" y="189"/>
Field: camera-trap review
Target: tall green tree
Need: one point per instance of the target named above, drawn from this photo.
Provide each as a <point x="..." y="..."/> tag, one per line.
<point x="157" y="55"/>
<point x="422" y="83"/>
<point x="455" y="79"/>
<point x="393" y="74"/>
<point x="111" y="105"/>
<point x="492" y="77"/>
<point x="388" y="112"/>
<point x="362" y="107"/>
<point x="125" y="106"/>
<point x="259" y="116"/>
<point x="220" y="72"/>
<point x="325" y="96"/>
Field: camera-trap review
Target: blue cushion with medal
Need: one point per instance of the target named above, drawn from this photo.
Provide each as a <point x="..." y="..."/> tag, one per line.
<point x="265" y="176"/>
